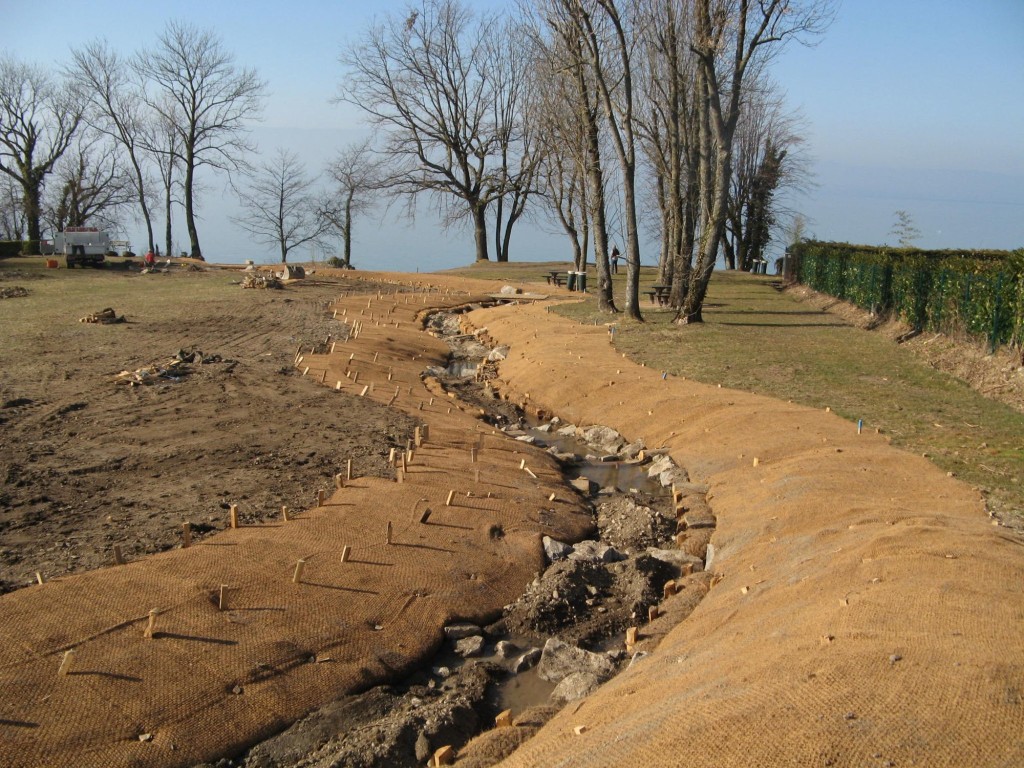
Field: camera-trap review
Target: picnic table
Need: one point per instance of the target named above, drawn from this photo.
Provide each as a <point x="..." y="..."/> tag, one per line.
<point x="555" y="277"/>
<point x="659" y="294"/>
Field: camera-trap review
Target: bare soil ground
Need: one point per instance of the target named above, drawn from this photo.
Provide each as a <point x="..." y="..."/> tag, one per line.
<point x="87" y="463"/>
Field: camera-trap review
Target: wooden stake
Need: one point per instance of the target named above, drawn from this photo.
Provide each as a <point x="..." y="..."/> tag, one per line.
<point x="522" y="464"/>
<point x="425" y="516"/>
<point x="151" y="626"/>
<point x="320" y="496"/>
<point x="388" y="539"/>
<point x="222" y="601"/>
<point x="632" y="635"/>
<point x="339" y="481"/>
<point x="670" y="589"/>
<point x="445" y="755"/>
<point x="323" y="377"/>
<point x="504" y="719"/>
<point x="284" y="514"/>
<point x="425" y="432"/>
<point x="365" y="390"/>
<point x="297" y="576"/>
<point x="118" y="557"/>
<point x="345" y="552"/>
<point x="472" y="455"/>
<point x="186" y="535"/>
<point x="448" y="501"/>
<point x="233" y="510"/>
<point x="39" y="577"/>
<point x="652" y="613"/>
<point x="348" y="470"/>
<point x="418" y="438"/>
<point x="530" y="472"/>
<point x="66" y="662"/>
<point x="391" y="457"/>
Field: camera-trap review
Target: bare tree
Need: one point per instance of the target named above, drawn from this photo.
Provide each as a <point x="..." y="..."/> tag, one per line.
<point x="768" y="162"/>
<point x="194" y="84"/>
<point x="429" y="81"/>
<point x="670" y="136"/>
<point x="93" y="186"/>
<point x="38" y="119"/>
<point x="730" y="37"/>
<point x="279" y="205"/>
<point x="357" y="175"/>
<point x="609" y="35"/>
<point x="116" y="109"/>
<point x="163" y="144"/>
<point x="561" y="38"/>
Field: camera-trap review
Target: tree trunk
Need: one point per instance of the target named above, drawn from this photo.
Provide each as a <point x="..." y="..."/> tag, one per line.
<point x="190" y="219"/>
<point x="346" y="233"/>
<point x="480" y="230"/>
<point x="632" y="245"/>
<point x="33" y="192"/>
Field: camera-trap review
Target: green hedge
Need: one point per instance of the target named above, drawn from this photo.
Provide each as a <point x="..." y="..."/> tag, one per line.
<point x="10" y="248"/>
<point x="980" y="293"/>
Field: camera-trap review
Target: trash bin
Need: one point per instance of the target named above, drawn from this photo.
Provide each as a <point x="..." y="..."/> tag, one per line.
<point x="581" y="281"/>
<point x="570" y="281"/>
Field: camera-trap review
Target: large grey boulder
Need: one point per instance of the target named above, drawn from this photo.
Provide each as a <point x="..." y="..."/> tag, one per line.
<point x="575" y="686"/>
<point x="596" y="551"/>
<point x="555" y="550"/>
<point x="558" y="660"/>
<point x="676" y="557"/>
<point x="605" y="439"/>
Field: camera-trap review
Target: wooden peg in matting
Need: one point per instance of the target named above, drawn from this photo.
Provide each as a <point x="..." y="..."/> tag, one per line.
<point x="448" y="501"/>
<point x="670" y="589"/>
<point x="151" y="625"/>
<point x="233" y="512"/>
<point x="388" y="539"/>
<point x="284" y="514"/>
<point x="417" y="437"/>
<point x="323" y="377"/>
<point x="472" y="455"/>
<point x="39" y="577"/>
<point x="504" y="719"/>
<point x="652" y="613"/>
<point x="222" y="598"/>
<point x="339" y="481"/>
<point x="300" y="565"/>
<point x="425" y="516"/>
<point x="66" y="662"/>
<point x="365" y="390"/>
<point x="320" y="497"/>
<point x="186" y="535"/>
<point x="346" y="551"/>
<point x="118" y="556"/>
<point x="348" y="470"/>
<point x="530" y="472"/>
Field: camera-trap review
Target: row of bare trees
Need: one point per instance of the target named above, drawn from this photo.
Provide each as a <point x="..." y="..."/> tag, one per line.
<point x="110" y="128"/>
<point x="590" y="107"/>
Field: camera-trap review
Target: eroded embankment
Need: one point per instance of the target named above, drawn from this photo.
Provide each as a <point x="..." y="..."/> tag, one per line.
<point x="867" y="611"/>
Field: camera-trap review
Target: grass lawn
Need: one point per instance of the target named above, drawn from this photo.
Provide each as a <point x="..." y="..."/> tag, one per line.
<point x="758" y="339"/>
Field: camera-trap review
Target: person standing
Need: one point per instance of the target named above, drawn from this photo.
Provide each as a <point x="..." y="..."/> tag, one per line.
<point x="615" y="259"/>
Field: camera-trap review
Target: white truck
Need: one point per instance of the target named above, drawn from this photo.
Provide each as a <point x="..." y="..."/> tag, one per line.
<point x="82" y="246"/>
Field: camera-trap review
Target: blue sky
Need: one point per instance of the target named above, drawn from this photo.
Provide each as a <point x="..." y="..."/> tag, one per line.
<point x="910" y="104"/>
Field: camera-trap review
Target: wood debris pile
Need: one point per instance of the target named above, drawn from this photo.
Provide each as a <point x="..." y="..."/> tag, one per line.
<point x="13" y="292"/>
<point x="104" y="317"/>
<point x="255" y="280"/>
<point x="173" y="369"/>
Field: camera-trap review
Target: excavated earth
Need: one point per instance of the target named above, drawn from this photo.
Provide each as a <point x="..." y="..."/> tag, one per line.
<point x="834" y="601"/>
